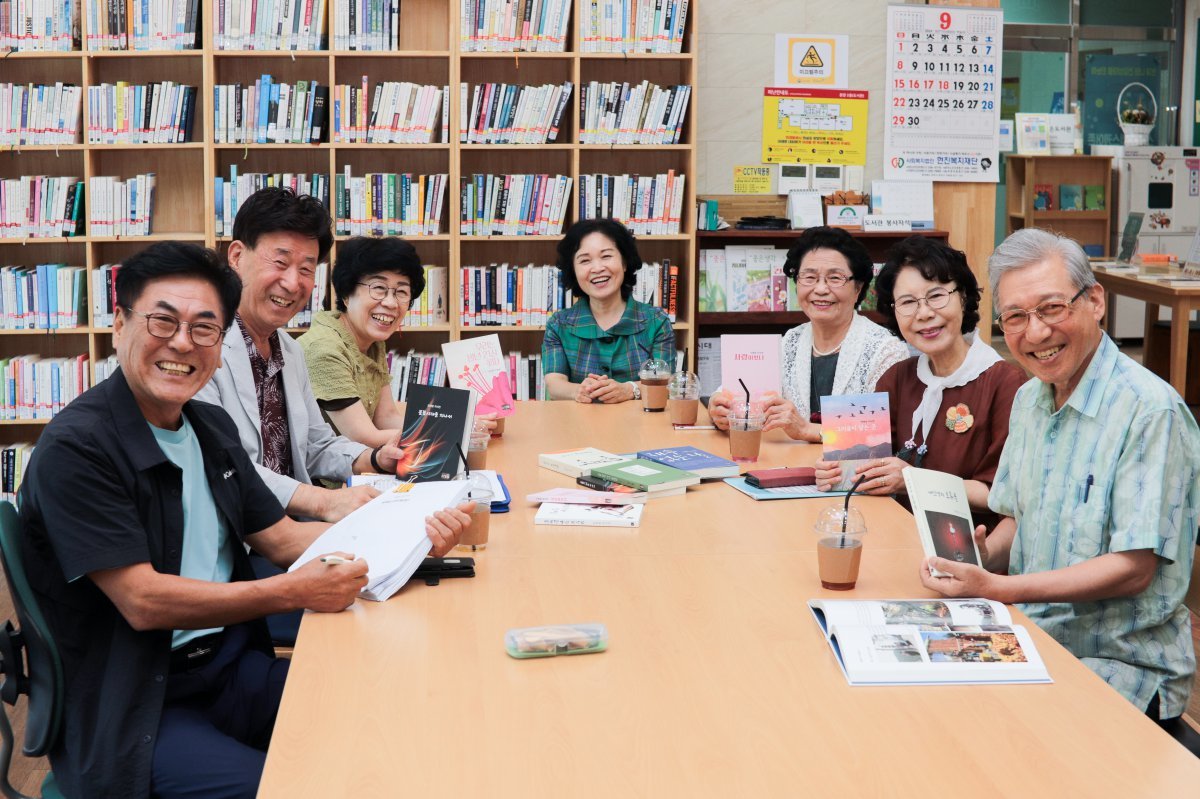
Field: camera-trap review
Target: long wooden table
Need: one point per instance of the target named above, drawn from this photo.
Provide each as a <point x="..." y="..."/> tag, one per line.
<point x="1181" y="300"/>
<point x="717" y="681"/>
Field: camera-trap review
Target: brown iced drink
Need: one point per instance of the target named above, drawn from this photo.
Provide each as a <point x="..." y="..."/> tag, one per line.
<point x="744" y="444"/>
<point x="498" y="430"/>
<point x="838" y="565"/>
<point x="683" y="411"/>
<point x="654" y="394"/>
<point x="475" y="537"/>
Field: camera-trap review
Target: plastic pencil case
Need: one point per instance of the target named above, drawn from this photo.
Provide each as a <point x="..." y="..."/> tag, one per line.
<point x="556" y="639"/>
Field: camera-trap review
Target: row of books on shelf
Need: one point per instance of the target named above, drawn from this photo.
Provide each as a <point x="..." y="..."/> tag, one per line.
<point x="141" y="24"/>
<point x="524" y="372"/>
<point x="509" y="294"/>
<point x="632" y="26"/>
<point x="14" y="459"/>
<point x="229" y="194"/>
<point x="645" y="113"/>
<point x="39" y="113"/>
<point x="37" y="387"/>
<point x="514" y="25"/>
<point x="269" y="112"/>
<point x="508" y="113"/>
<point x="389" y="204"/>
<point x="30" y="25"/>
<point x="1068" y="197"/>
<point x="400" y="113"/>
<point x="647" y="205"/>
<point x="37" y="206"/>
<point x="513" y="205"/>
<point x="368" y="25"/>
<point x="751" y="278"/>
<point x="121" y="207"/>
<point x="42" y="297"/>
<point x="123" y="113"/>
<point x="279" y="24"/>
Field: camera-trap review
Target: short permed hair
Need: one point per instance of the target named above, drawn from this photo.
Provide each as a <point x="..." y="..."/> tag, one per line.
<point x="862" y="268"/>
<point x="611" y="229"/>
<point x="934" y="260"/>
<point x="274" y="209"/>
<point x="179" y="259"/>
<point x="362" y="256"/>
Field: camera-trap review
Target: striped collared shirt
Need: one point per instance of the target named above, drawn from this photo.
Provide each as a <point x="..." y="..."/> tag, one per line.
<point x="1114" y="470"/>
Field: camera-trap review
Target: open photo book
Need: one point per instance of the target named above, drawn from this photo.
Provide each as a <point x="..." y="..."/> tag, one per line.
<point x="927" y="642"/>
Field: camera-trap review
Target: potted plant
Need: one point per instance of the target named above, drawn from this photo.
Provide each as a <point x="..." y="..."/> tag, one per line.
<point x="1135" y="119"/>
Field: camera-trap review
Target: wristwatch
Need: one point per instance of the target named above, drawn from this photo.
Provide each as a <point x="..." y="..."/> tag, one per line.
<point x="637" y="390"/>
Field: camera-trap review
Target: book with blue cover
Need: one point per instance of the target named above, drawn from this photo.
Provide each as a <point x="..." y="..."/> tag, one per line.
<point x="691" y="459"/>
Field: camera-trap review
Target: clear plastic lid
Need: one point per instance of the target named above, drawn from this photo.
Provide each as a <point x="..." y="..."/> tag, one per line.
<point x="684" y="385"/>
<point x="655" y="368"/>
<point x="480" y="489"/>
<point x="556" y="639"/>
<point x="836" y="520"/>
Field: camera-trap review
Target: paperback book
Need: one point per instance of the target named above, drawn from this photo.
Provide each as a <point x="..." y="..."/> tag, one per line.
<point x="854" y="429"/>
<point x="643" y="475"/>
<point x="479" y="364"/>
<point x="939" y="505"/>
<point x="691" y="459"/>
<point x="436" y="419"/>
<point x="578" y="462"/>
<point x="570" y="514"/>
<point x="928" y="642"/>
<point x="578" y="496"/>
<point x="752" y="359"/>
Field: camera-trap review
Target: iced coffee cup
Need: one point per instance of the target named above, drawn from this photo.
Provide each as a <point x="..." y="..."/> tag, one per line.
<point x="498" y="430"/>
<point x="683" y="398"/>
<point x="477" y="449"/>
<point x="745" y="431"/>
<point x="840" y="534"/>
<point x="654" y="374"/>
<point x="475" y="537"/>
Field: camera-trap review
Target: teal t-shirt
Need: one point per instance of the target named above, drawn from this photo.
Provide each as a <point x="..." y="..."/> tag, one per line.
<point x="206" y="554"/>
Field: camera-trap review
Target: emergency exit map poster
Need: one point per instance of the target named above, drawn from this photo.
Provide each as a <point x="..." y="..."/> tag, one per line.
<point x="814" y="126"/>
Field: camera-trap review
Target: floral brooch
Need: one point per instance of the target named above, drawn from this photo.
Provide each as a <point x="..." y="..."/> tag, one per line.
<point x="959" y="418"/>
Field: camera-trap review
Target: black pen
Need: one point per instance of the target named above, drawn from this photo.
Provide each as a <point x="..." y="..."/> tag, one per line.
<point x="1087" y="489"/>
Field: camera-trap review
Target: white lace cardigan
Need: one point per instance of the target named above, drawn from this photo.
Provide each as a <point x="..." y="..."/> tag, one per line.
<point x="866" y="353"/>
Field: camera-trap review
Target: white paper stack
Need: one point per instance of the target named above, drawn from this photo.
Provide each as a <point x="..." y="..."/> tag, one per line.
<point x="389" y="532"/>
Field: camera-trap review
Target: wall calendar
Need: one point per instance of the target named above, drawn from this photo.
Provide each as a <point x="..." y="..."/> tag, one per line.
<point x="942" y="112"/>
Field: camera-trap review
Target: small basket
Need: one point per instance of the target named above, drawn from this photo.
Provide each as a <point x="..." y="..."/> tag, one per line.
<point x="1136" y="133"/>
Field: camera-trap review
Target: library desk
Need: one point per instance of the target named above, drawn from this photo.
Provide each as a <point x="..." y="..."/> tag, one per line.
<point x="717" y="681"/>
<point x="1181" y="300"/>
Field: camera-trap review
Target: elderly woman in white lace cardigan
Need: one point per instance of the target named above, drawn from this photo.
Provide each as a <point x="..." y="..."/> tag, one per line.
<point x="837" y="351"/>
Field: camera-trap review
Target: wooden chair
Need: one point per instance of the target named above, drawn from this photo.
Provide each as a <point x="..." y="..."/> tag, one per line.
<point x="30" y="664"/>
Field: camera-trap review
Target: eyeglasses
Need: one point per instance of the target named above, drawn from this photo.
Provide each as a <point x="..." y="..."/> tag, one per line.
<point x="1050" y="313"/>
<point x="835" y="280"/>
<point x="165" y="326"/>
<point x="379" y="292"/>
<point x="936" y="298"/>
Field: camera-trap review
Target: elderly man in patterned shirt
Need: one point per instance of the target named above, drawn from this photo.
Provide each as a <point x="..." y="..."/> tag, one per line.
<point x="1098" y="485"/>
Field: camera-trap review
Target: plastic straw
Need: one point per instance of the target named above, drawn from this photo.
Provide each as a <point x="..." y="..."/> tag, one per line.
<point x="458" y="446"/>
<point x="743" y="382"/>
<point x="685" y="360"/>
<point x="846" y="508"/>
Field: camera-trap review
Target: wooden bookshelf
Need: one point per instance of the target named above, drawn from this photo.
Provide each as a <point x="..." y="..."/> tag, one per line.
<point x="430" y="52"/>
<point x="1025" y="173"/>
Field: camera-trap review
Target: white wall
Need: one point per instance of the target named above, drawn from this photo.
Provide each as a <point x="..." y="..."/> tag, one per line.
<point x="737" y="58"/>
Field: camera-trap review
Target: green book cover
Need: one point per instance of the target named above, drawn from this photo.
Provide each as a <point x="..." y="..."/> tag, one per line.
<point x="643" y="475"/>
<point x="1093" y="198"/>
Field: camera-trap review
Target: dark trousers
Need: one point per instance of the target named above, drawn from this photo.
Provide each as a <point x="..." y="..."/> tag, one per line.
<point x="217" y="722"/>
<point x="1177" y="728"/>
<point x="284" y="627"/>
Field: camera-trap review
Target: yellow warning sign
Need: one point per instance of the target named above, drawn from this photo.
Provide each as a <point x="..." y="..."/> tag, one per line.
<point x="811" y="58"/>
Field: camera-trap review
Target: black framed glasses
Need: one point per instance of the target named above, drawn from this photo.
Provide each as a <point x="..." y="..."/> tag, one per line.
<point x="835" y="280"/>
<point x="934" y="299"/>
<point x="379" y="292"/>
<point x="165" y="326"/>
<point x="1050" y="313"/>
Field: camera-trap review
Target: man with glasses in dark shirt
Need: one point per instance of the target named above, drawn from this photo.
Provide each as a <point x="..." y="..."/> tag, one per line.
<point x="137" y="505"/>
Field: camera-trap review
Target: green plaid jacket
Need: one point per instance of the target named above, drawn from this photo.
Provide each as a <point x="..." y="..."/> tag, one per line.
<point x="575" y="346"/>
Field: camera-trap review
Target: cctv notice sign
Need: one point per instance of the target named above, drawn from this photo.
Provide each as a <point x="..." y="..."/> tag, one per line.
<point x="942" y="117"/>
<point x="814" y="126"/>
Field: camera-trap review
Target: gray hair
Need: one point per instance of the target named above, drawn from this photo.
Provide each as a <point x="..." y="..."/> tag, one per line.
<point x="1029" y="246"/>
